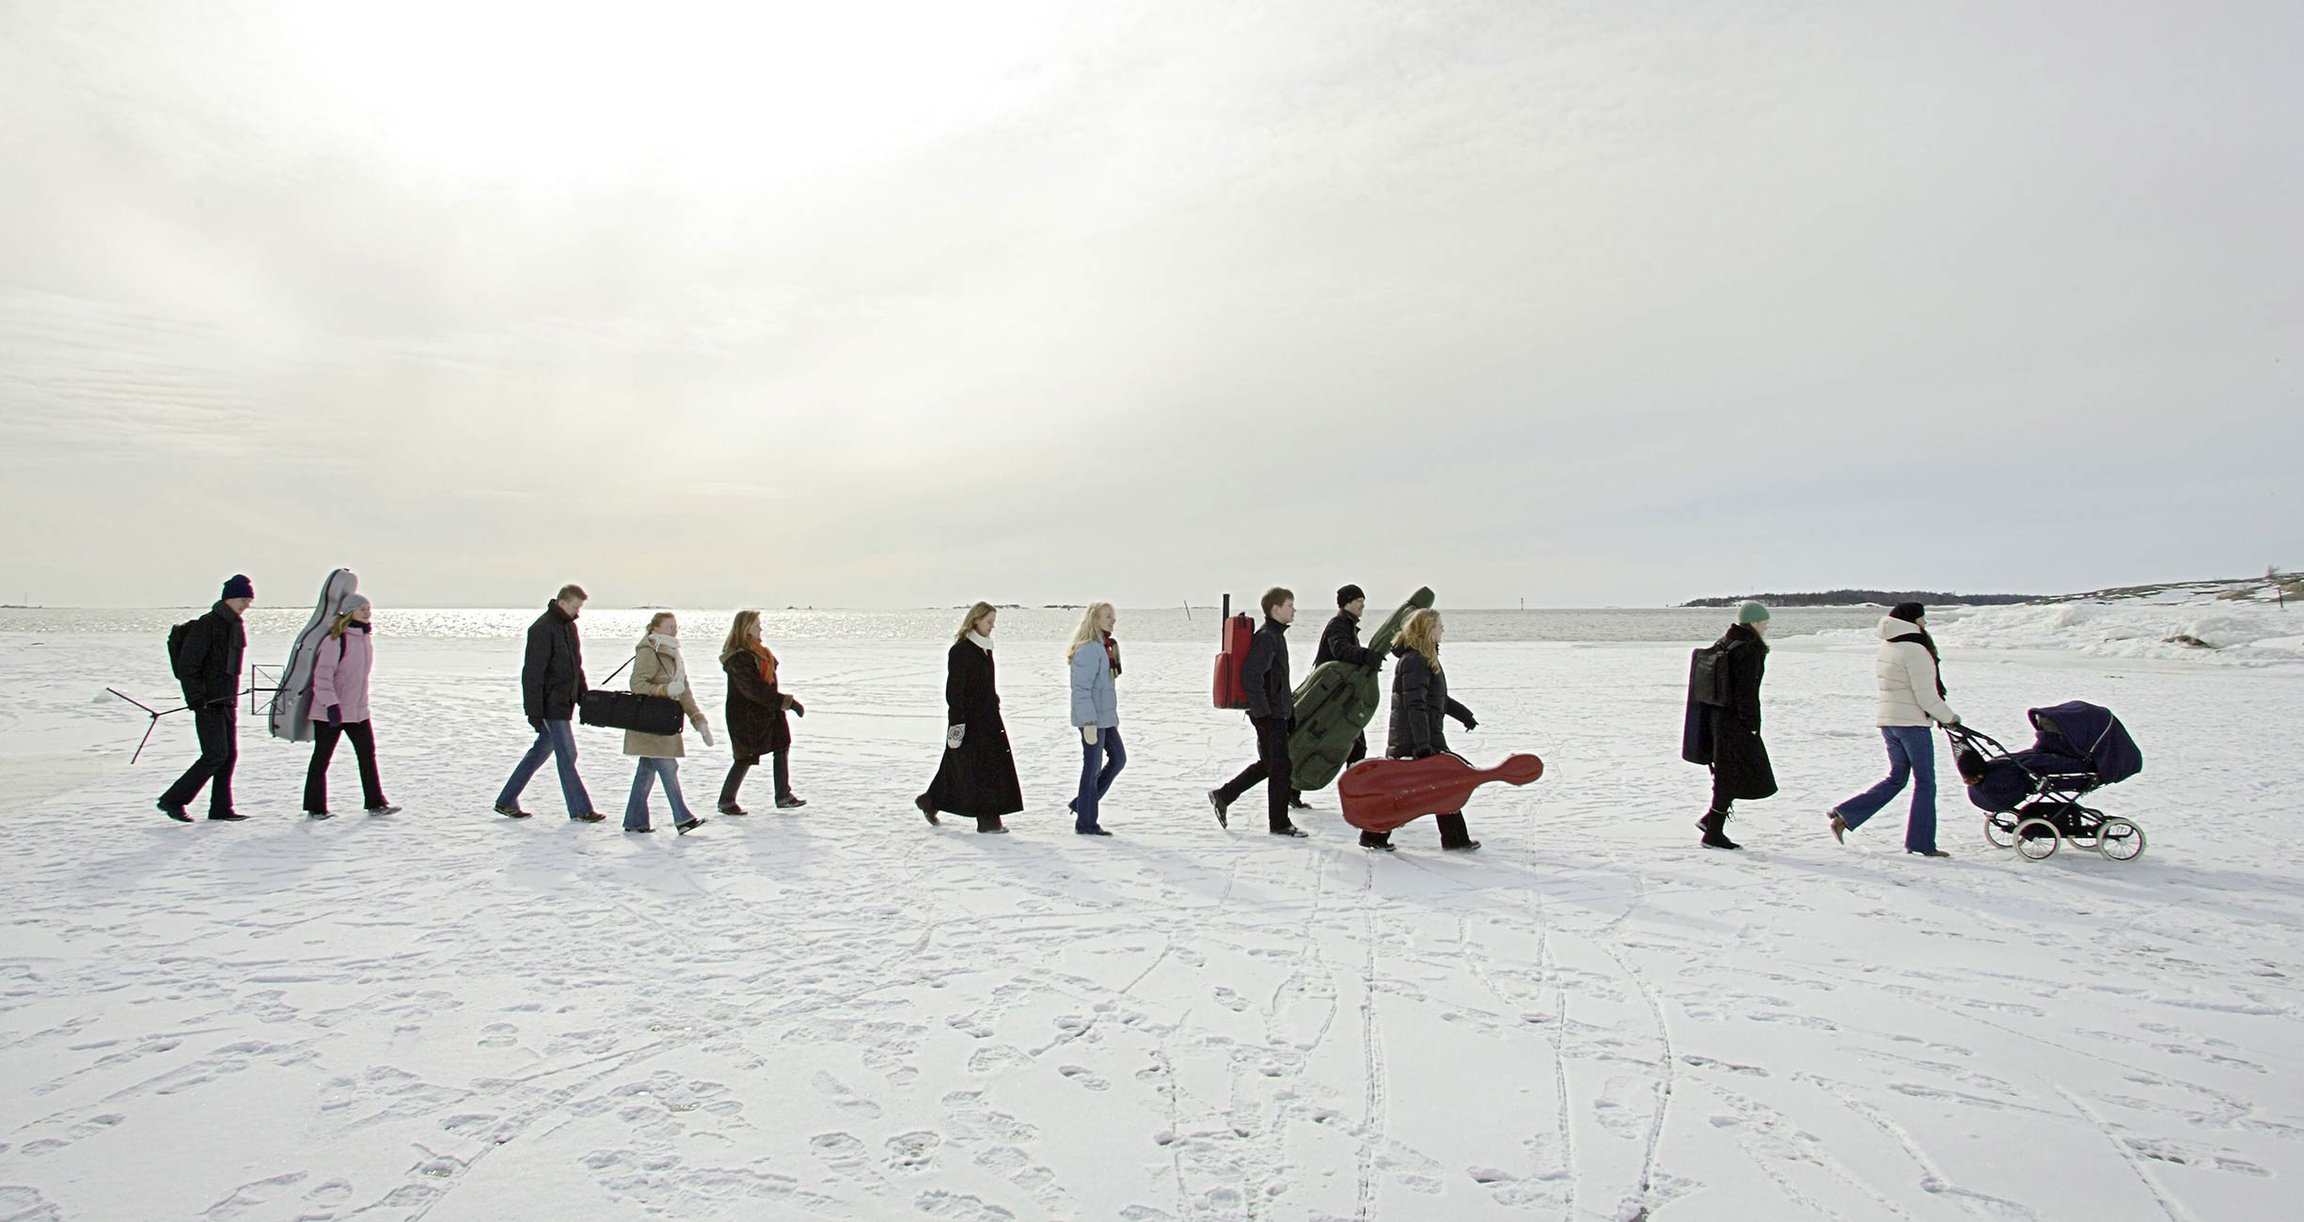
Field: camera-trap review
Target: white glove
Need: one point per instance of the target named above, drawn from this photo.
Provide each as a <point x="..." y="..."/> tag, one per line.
<point x="1088" y="735"/>
<point x="675" y="687"/>
<point x="952" y="737"/>
<point x="704" y="728"/>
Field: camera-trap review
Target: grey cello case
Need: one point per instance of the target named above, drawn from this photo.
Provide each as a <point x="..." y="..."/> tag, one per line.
<point x="292" y="704"/>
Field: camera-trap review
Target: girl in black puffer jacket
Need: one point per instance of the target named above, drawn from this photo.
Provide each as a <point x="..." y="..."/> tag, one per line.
<point x="1420" y="708"/>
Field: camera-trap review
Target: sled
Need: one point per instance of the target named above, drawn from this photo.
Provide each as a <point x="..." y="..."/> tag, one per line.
<point x="291" y="713"/>
<point x="1382" y="794"/>
<point x="1336" y="702"/>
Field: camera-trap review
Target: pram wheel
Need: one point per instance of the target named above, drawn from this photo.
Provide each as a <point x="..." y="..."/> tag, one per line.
<point x="2000" y="831"/>
<point x="2036" y="839"/>
<point x="2120" y="840"/>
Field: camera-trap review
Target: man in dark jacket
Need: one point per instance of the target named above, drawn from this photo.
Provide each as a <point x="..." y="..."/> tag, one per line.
<point x="1271" y="709"/>
<point x="1726" y="735"/>
<point x="1340" y="642"/>
<point x="551" y="686"/>
<point x="207" y="664"/>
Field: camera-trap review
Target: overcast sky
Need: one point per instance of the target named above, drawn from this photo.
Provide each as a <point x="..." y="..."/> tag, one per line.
<point x="872" y="305"/>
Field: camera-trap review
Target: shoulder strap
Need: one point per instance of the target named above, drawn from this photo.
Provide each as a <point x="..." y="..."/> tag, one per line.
<point x="620" y="670"/>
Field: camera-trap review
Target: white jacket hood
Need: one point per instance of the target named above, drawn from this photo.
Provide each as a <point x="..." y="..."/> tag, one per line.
<point x="1907" y="677"/>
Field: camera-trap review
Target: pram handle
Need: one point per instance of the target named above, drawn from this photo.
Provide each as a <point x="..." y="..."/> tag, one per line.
<point x="1962" y="736"/>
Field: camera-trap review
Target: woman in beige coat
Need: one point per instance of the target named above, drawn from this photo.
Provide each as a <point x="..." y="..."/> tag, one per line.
<point x="658" y="671"/>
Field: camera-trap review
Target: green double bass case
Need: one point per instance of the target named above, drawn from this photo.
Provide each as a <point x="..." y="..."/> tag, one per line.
<point x="1337" y="701"/>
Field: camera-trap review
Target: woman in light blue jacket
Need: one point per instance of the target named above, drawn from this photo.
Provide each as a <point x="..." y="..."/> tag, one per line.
<point x="1095" y="660"/>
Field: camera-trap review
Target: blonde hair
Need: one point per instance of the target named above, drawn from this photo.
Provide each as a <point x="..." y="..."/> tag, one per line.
<point x="1087" y="630"/>
<point x="572" y="590"/>
<point x="654" y="620"/>
<point x="968" y="622"/>
<point x="1421" y="634"/>
<point x="342" y="622"/>
<point x="739" y="634"/>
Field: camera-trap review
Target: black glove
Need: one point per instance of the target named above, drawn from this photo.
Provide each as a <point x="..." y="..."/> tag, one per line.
<point x="336" y="715"/>
<point x="799" y="709"/>
<point x="536" y="724"/>
<point x="1470" y="722"/>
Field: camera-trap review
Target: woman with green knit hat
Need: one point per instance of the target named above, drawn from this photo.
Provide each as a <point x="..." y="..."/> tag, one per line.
<point x="1722" y="729"/>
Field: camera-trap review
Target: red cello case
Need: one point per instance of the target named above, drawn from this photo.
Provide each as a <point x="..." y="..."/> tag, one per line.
<point x="1230" y="692"/>
<point x="1382" y="794"/>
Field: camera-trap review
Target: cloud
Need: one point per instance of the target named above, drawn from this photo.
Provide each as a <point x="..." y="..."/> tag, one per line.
<point x="1041" y="302"/>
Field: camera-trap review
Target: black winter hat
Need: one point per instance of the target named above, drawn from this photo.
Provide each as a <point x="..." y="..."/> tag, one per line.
<point x="239" y="587"/>
<point x="1348" y="593"/>
<point x="1908" y="612"/>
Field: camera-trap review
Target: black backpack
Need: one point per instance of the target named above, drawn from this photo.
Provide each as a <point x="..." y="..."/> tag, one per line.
<point x="1708" y="675"/>
<point x="176" y="636"/>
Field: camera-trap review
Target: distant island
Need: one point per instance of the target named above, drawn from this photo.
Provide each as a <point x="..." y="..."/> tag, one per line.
<point x="1875" y="598"/>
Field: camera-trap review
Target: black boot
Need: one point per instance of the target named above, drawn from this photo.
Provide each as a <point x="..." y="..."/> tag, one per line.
<point x="1454" y="836"/>
<point x="1714" y="824"/>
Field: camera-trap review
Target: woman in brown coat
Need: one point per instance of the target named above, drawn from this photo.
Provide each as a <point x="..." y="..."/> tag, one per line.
<point x="658" y="671"/>
<point x="756" y="708"/>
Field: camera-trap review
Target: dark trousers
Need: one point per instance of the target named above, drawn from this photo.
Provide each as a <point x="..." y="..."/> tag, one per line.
<point x="363" y="738"/>
<point x="1271" y="767"/>
<point x="780" y="766"/>
<point x="1720" y="801"/>
<point x="1453" y="833"/>
<point x="219" y="730"/>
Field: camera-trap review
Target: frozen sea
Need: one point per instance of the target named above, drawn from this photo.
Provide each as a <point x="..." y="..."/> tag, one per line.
<point x="845" y="1013"/>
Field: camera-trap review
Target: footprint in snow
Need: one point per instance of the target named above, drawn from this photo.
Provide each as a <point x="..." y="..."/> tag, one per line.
<point x="844" y="1098"/>
<point x="914" y="1151"/>
<point x="1084" y="1076"/>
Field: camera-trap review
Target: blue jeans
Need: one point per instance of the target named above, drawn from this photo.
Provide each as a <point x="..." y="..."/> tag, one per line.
<point x="1911" y="756"/>
<point x="556" y="739"/>
<point x="1100" y="762"/>
<point x="643" y="779"/>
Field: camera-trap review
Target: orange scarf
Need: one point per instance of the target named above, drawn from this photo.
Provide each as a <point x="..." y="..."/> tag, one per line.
<point x="767" y="663"/>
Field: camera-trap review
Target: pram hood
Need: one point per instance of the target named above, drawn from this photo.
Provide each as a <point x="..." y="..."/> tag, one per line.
<point x="2089" y="732"/>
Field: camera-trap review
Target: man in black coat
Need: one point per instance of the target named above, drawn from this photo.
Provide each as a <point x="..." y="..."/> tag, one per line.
<point x="1340" y="642"/>
<point x="1726" y="735"/>
<point x="207" y="665"/>
<point x="1272" y="710"/>
<point x="551" y="686"/>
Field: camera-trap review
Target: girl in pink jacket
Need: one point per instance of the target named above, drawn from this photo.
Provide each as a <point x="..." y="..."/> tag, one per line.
<point x="340" y="709"/>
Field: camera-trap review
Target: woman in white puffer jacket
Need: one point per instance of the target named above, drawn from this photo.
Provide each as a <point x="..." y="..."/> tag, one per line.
<point x="1911" y="706"/>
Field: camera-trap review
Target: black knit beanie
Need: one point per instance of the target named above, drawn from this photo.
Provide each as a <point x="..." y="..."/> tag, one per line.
<point x="1908" y="612"/>
<point x="1347" y="594"/>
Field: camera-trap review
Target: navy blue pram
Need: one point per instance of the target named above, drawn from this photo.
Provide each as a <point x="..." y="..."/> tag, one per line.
<point x="2031" y="798"/>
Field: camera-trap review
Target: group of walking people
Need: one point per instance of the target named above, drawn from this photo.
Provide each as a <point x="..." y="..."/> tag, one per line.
<point x="1723" y="733"/>
<point x="1420" y="708"/>
<point x="976" y="777"/>
<point x="206" y="655"/>
<point x="552" y="687"/>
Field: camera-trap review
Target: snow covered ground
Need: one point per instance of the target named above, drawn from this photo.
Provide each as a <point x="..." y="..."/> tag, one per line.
<point x="2231" y="622"/>
<point x="844" y="1013"/>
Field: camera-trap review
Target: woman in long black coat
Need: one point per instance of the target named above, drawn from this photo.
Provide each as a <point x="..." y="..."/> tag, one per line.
<point x="757" y="705"/>
<point x="978" y="775"/>
<point x="1726" y="735"/>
